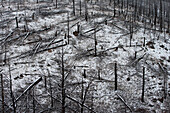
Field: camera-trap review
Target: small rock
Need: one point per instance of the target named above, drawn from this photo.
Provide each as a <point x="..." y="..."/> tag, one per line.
<point x="128" y="79"/>
<point x="76" y="33"/>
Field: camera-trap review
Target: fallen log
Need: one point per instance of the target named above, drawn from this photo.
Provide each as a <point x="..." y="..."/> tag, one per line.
<point x="10" y="34"/>
<point x="124" y="102"/>
<point x="46" y="49"/>
<point x="72" y="99"/>
<point x="29" y="87"/>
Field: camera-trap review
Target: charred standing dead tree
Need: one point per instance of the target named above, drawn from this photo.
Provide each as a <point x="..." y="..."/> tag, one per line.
<point x="99" y="74"/>
<point x="114" y="8"/>
<point x="155" y="16"/>
<point x="168" y="15"/>
<point x="5" y="55"/>
<point x="143" y="85"/>
<point x="68" y="29"/>
<point x="74" y="13"/>
<point x="131" y="31"/>
<point x="160" y="15"/>
<point x="56" y="3"/>
<point x="51" y="90"/>
<point x="115" y="76"/>
<point x="135" y="15"/>
<point x="80" y="7"/>
<point x="63" y="84"/>
<point x="84" y="92"/>
<point x="2" y="94"/>
<point x="33" y="101"/>
<point x="16" y="22"/>
<point x="82" y="95"/>
<point x="11" y="91"/>
<point x="95" y="43"/>
<point x="86" y="11"/>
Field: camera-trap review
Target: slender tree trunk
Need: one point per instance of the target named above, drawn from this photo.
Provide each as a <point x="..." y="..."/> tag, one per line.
<point x="11" y="92"/>
<point x="68" y="35"/>
<point x="51" y="93"/>
<point x="144" y="42"/>
<point x="5" y="54"/>
<point x="74" y="8"/>
<point x="16" y="21"/>
<point x="86" y="12"/>
<point x="168" y="16"/>
<point x="63" y="84"/>
<point x="56" y="3"/>
<point x="160" y="15"/>
<point x="2" y="94"/>
<point x="115" y="76"/>
<point x="34" y="111"/>
<point x="114" y="8"/>
<point x="99" y="74"/>
<point x="95" y="42"/>
<point x="82" y="95"/>
<point x="80" y="7"/>
<point x="45" y="82"/>
<point x="143" y="85"/>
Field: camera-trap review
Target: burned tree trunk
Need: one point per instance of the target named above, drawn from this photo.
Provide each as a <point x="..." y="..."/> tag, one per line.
<point x="86" y="12"/>
<point x="11" y="92"/>
<point x="51" y="93"/>
<point x="56" y="4"/>
<point x="155" y="16"/>
<point x="68" y="35"/>
<point x="168" y="16"/>
<point x="99" y="74"/>
<point x="74" y="8"/>
<point x="80" y="7"/>
<point x="143" y="85"/>
<point x="160" y="16"/>
<point x="114" y="8"/>
<point x="82" y="95"/>
<point x="33" y="101"/>
<point x="95" y="43"/>
<point x="2" y="94"/>
<point x="115" y="76"/>
<point x="63" y="84"/>
<point x="16" y="22"/>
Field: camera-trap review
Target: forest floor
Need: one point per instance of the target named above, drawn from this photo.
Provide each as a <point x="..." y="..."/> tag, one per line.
<point x="34" y="50"/>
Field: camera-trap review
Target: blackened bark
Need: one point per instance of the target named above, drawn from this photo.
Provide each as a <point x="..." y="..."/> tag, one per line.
<point x="2" y="93"/>
<point x="115" y="76"/>
<point x="143" y="85"/>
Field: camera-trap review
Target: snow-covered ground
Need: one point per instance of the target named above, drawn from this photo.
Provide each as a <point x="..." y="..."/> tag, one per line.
<point x="112" y="47"/>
